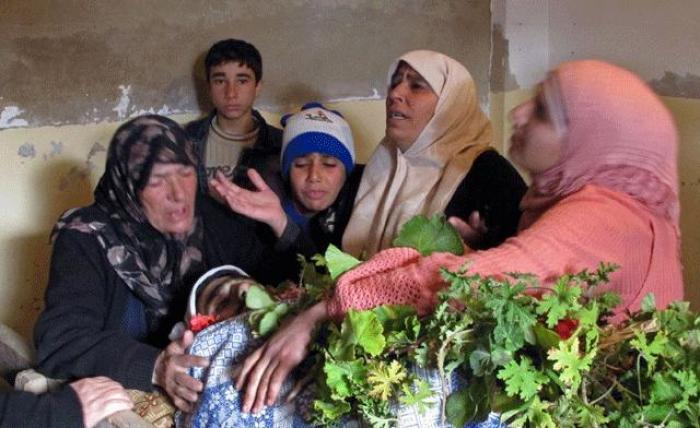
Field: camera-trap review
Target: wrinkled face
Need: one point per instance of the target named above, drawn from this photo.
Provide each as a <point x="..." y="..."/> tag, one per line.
<point x="233" y="90"/>
<point x="169" y="196"/>
<point x="535" y="144"/>
<point x="410" y="104"/>
<point x="316" y="180"/>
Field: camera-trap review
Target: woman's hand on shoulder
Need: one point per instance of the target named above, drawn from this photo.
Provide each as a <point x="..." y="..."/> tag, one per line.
<point x="263" y="372"/>
<point x="262" y="204"/>
<point x="170" y="372"/>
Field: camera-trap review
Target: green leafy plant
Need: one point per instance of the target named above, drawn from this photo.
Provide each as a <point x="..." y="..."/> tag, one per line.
<point x="538" y="356"/>
<point x="430" y="235"/>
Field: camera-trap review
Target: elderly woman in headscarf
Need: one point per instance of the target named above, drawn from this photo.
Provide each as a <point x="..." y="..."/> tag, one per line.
<point x="435" y="158"/>
<point x="122" y="268"/>
<point x="601" y="149"/>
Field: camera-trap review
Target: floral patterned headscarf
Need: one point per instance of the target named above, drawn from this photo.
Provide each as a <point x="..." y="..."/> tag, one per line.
<point x="151" y="263"/>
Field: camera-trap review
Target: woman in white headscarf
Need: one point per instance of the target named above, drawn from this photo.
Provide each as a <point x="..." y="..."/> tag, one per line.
<point x="435" y="158"/>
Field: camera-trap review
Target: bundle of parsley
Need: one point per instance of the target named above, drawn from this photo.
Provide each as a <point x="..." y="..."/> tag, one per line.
<point x="539" y="357"/>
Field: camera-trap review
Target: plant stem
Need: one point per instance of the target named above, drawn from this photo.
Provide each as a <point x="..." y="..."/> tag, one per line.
<point x="441" y="368"/>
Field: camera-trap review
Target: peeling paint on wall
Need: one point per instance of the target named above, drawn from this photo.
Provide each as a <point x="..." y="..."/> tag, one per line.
<point x="9" y="119"/>
<point x="375" y="96"/>
<point x="94" y="150"/>
<point x="73" y="175"/>
<point x="675" y="85"/>
<point x="501" y="77"/>
<point x="80" y="173"/>
<point x="104" y="69"/>
<point x="56" y="150"/>
<point x="122" y="106"/>
<point x="27" y="150"/>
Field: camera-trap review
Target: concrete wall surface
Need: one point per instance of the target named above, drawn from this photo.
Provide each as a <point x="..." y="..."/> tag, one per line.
<point x="79" y="62"/>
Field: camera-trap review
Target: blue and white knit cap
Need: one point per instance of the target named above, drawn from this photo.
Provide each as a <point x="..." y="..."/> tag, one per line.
<point x="317" y="129"/>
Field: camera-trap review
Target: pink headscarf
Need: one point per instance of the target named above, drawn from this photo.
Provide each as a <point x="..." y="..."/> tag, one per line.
<point x="619" y="136"/>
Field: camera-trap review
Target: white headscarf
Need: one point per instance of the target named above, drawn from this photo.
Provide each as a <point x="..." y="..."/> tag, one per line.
<point x="398" y="185"/>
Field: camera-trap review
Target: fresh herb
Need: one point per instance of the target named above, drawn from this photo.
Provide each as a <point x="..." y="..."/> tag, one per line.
<point x="539" y="356"/>
<point x="430" y="236"/>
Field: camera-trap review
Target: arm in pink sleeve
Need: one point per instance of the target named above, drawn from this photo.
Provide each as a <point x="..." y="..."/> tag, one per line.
<point x="591" y="226"/>
<point x="398" y="276"/>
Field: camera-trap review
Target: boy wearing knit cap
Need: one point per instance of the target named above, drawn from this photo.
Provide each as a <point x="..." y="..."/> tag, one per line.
<point x="321" y="179"/>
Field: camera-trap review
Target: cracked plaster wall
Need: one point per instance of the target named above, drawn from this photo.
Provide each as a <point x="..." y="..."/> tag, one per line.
<point x="78" y="62"/>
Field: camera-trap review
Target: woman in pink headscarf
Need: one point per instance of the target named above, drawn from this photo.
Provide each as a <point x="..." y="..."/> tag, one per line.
<point x="601" y="150"/>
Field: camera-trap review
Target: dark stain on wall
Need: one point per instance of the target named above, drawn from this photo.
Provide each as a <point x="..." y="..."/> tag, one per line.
<point x="501" y="78"/>
<point x="71" y="62"/>
<point x="675" y="85"/>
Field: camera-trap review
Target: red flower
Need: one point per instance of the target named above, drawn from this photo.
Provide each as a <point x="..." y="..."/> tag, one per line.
<point x="566" y="327"/>
<point x="200" y="322"/>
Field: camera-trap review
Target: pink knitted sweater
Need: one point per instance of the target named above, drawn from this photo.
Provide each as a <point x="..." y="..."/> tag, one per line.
<point x="578" y="232"/>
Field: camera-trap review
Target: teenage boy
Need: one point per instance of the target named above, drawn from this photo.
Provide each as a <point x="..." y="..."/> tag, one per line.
<point x="234" y="136"/>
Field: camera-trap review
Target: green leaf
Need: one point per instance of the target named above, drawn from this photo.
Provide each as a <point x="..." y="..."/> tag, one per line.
<point x="657" y="413"/>
<point x="689" y="389"/>
<point x="367" y="331"/>
<point x="533" y="414"/>
<point x="649" y="303"/>
<point x="513" y="314"/>
<point x="384" y="379"/>
<point x="468" y="405"/>
<point x="650" y="351"/>
<point x="562" y="300"/>
<point x="665" y="389"/>
<point x="257" y="298"/>
<point x="338" y="262"/>
<point x="422" y="397"/>
<point x="331" y="412"/>
<point x="522" y="379"/>
<point x="570" y="363"/>
<point x="479" y="361"/>
<point x="268" y="323"/>
<point x="430" y="236"/>
<point x="545" y="337"/>
<point x="341" y="376"/>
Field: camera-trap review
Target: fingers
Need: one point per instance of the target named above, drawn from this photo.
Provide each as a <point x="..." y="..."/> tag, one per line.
<point x="257" y="180"/>
<point x="275" y="383"/>
<point x="476" y="222"/>
<point x="256" y="392"/>
<point x="473" y="230"/>
<point x="252" y="384"/>
<point x="248" y="365"/>
<point x="172" y="373"/>
<point x="100" y="397"/>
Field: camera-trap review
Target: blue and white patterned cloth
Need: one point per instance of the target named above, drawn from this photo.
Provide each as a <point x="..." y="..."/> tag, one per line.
<point x="227" y="344"/>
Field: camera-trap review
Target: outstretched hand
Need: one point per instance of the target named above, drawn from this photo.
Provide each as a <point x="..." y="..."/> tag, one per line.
<point x="99" y="398"/>
<point x="472" y="231"/>
<point x="264" y="371"/>
<point x="261" y="204"/>
<point x="171" y="372"/>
